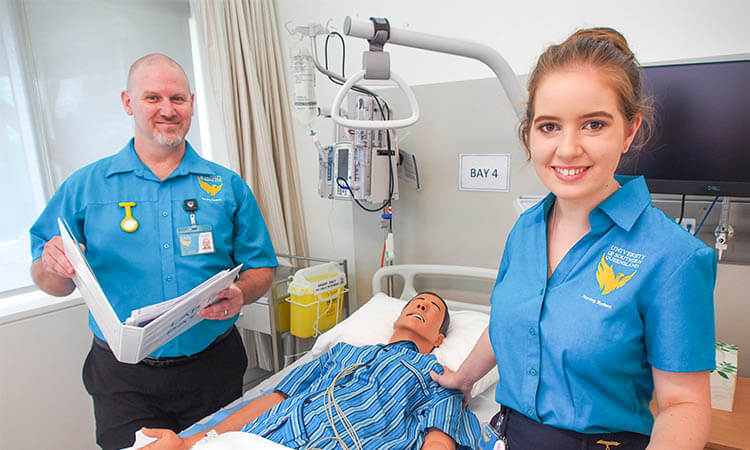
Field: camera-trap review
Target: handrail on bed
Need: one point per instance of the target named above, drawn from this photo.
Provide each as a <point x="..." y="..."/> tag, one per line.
<point x="408" y="272"/>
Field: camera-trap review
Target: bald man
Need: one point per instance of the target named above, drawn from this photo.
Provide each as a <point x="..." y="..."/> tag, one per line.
<point x="156" y="220"/>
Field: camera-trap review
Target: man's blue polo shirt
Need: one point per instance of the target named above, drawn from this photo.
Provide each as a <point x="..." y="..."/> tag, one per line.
<point x="145" y="267"/>
<point x="636" y="292"/>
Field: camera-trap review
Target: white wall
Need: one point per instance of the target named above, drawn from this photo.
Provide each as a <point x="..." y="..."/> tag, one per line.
<point x="656" y="31"/>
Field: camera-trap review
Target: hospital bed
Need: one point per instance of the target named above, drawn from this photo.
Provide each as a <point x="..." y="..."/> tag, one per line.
<point x="372" y="324"/>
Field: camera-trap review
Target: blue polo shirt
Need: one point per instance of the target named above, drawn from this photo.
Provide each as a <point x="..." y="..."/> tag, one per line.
<point x="636" y="292"/>
<point x="144" y="267"/>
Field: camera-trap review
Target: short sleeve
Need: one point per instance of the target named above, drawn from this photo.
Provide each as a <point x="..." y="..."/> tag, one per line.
<point x="300" y="379"/>
<point x="447" y="414"/>
<point x="64" y="204"/>
<point x="505" y="261"/>
<point x="252" y="243"/>
<point x="679" y="321"/>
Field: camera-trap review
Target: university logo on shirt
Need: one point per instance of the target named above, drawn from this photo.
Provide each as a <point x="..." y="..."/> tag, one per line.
<point x="605" y="270"/>
<point x="607" y="279"/>
<point x="211" y="185"/>
<point x="207" y="185"/>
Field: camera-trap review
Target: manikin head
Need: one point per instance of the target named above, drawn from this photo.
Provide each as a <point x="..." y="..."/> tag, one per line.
<point x="424" y="321"/>
<point x="159" y="99"/>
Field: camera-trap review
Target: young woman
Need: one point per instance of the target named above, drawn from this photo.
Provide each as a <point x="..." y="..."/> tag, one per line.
<point x="601" y="300"/>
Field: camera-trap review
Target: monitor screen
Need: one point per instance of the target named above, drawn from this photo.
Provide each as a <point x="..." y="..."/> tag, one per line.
<point x="701" y="140"/>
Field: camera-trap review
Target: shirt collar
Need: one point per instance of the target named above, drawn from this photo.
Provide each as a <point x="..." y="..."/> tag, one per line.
<point x="626" y="204"/>
<point x="623" y="207"/>
<point x="409" y="345"/>
<point x="127" y="160"/>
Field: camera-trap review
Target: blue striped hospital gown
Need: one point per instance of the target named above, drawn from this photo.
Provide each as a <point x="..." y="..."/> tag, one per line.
<point x="391" y="401"/>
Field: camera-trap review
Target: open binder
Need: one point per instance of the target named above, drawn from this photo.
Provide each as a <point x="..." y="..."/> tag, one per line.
<point x="148" y="328"/>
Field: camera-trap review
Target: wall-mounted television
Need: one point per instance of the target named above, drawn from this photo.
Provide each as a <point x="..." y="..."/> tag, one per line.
<point x="701" y="141"/>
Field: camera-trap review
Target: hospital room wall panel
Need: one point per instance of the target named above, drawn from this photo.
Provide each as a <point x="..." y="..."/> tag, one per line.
<point x="43" y="404"/>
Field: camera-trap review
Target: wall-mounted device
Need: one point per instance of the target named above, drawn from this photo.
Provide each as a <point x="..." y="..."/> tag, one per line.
<point x="361" y="158"/>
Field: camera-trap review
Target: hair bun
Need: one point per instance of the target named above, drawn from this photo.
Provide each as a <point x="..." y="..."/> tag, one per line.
<point x="603" y="34"/>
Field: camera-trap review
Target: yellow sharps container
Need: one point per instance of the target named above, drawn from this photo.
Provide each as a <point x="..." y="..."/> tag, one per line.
<point x="315" y="297"/>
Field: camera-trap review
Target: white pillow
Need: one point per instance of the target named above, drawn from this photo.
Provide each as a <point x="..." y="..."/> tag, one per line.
<point x="372" y="324"/>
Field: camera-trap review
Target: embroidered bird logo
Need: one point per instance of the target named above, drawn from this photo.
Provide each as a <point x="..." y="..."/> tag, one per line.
<point x="212" y="189"/>
<point x="608" y="282"/>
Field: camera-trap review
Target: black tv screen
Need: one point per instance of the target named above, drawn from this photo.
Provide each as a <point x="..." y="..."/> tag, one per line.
<point x="701" y="140"/>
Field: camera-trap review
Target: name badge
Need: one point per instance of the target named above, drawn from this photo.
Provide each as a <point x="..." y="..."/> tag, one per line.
<point x="196" y="240"/>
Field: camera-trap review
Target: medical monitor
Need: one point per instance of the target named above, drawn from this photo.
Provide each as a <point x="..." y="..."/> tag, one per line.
<point x="701" y="140"/>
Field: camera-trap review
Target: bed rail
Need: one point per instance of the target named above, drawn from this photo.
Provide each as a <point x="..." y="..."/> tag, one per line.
<point x="408" y="272"/>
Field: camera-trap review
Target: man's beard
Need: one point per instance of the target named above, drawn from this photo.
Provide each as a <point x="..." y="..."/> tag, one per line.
<point x="168" y="141"/>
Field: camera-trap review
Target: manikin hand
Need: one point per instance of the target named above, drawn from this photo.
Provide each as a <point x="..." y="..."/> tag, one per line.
<point x="230" y="304"/>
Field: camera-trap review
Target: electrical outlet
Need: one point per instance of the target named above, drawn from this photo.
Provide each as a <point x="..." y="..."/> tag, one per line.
<point x="688" y="223"/>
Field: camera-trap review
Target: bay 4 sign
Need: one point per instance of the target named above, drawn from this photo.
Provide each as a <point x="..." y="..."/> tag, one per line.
<point x="484" y="172"/>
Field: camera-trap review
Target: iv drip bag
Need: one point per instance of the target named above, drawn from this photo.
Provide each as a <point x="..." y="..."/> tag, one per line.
<point x="305" y="104"/>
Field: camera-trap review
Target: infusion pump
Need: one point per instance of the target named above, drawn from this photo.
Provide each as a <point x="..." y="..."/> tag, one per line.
<point x="366" y="159"/>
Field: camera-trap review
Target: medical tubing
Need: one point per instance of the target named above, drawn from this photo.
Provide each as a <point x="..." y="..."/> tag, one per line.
<point x="705" y="216"/>
<point x="366" y="29"/>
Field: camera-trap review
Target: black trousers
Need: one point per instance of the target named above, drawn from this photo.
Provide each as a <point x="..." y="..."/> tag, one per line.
<point x="522" y="433"/>
<point x="168" y="393"/>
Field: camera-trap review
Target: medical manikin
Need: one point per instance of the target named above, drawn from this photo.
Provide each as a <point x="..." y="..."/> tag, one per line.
<point x="371" y="397"/>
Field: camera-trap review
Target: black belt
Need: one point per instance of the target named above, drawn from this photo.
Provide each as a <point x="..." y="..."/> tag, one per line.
<point x="541" y="436"/>
<point x="167" y="361"/>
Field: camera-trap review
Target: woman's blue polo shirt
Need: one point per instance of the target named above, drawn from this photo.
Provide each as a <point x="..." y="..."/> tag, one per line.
<point x="145" y="267"/>
<point x="636" y="292"/>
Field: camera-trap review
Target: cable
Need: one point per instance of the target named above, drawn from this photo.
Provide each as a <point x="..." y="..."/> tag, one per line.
<point x="330" y="404"/>
<point x="345" y="185"/>
<point x="682" y="210"/>
<point x="706" y="215"/>
<point x="343" y="53"/>
<point x="333" y="76"/>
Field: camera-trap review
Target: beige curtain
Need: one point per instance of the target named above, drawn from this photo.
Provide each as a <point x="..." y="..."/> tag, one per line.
<point x="241" y="46"/>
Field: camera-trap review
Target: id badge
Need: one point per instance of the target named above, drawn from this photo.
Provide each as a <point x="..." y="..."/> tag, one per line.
<point x="491" y="440"/>
<point x="196" y="240"/>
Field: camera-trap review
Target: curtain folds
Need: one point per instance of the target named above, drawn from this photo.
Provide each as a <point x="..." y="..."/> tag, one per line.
<point x="247" y="78"/>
